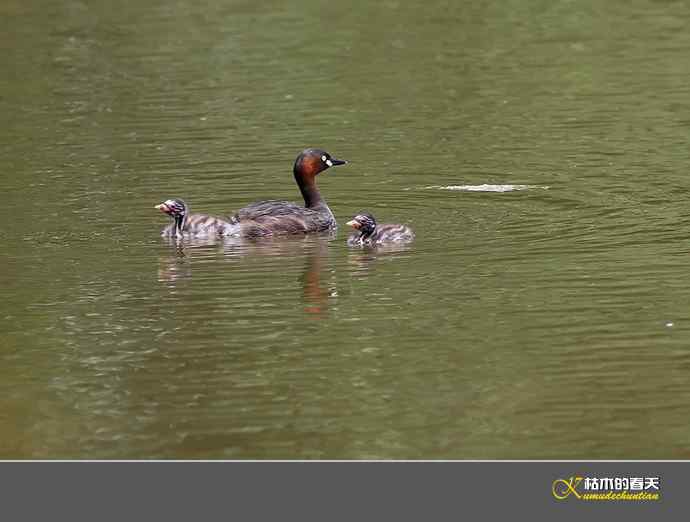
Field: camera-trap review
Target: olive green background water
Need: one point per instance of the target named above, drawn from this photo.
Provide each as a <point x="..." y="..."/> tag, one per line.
<point x="547" y="322"/>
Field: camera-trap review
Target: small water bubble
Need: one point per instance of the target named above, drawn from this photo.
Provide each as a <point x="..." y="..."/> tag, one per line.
<point x="669" y="325"/>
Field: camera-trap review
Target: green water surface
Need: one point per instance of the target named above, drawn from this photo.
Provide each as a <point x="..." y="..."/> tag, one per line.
<point x="542" y="312"/>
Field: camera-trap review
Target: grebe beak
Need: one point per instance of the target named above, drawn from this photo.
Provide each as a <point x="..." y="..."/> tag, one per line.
<point x="353" y="224"/>
<point x="333" y="162"/>
<point x="163" y="208"/>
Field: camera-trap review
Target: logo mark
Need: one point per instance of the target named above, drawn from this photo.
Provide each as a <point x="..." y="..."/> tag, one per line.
<point x="562" y="488"/>
<point x="615" y="488"/>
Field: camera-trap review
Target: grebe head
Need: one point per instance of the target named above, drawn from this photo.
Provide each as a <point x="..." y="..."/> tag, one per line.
<point x="312" y="161"/>
<point x="175" y="208"/>
<point x="364" y="222"/>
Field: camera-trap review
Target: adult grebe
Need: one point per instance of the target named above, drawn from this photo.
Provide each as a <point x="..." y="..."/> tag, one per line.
<point x="283" y="217"/>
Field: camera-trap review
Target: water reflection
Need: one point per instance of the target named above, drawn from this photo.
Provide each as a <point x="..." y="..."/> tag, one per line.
<point x="175" y="265"/>
<point x="318" y="280"/>
<point x="363" y="258"/>
<point x="319" y="285"/>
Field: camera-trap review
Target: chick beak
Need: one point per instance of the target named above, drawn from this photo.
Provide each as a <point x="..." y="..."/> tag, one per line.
<point x="163" y="208"/>
<point x="354" y="224"/>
